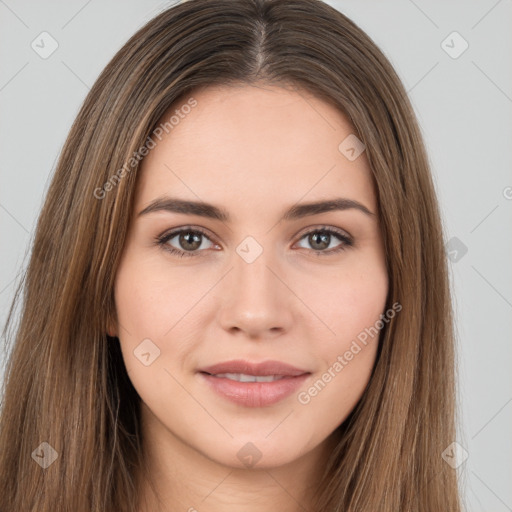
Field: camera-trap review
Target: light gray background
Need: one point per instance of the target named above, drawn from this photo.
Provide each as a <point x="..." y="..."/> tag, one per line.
<point x="464" y="106"/>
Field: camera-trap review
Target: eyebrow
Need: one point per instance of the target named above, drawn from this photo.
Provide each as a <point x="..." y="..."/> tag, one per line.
<point x="211" y="211"/>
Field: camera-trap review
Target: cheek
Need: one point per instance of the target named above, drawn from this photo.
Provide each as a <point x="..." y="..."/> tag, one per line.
<point x="144" y="312"/>
<point x="356" y="306"/>
<point x="148" y="299"/>
<point x="154" y="303"/>
<point x="351" y="301"/>
<point x="141" y="309"/>
<point x="352" y="307"/>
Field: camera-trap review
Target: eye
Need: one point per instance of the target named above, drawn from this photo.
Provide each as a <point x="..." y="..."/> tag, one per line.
<point x="320" y="239"/>
<point x="190" y="241"/>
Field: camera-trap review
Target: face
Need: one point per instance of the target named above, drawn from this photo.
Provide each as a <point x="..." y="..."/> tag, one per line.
<point x="278" y="290"/>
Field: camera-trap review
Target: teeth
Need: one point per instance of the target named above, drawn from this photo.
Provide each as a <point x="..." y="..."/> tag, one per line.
<point x="242" y="377"/>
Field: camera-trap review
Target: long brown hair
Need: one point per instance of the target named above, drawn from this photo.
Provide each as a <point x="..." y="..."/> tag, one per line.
<point x="66" y="383"/>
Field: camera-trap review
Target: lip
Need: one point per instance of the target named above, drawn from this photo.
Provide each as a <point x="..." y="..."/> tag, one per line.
<point x="258" y="369"/>
<point x="254" y="394"/>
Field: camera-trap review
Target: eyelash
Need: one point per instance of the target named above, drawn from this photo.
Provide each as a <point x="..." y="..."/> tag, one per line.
<point x="162" y="240"/>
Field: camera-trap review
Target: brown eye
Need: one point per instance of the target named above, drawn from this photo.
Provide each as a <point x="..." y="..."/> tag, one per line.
<point x="189" y="240"/>
<point x="188" y="243"/>
<point x="320" y="239"/>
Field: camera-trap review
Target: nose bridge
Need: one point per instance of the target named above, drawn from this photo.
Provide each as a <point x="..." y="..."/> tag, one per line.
<point x="252" y="273"/>
<point x="255" y="298"/>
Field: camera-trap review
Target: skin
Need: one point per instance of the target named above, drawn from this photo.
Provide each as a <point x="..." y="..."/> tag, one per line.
<point x="255" y="151"/>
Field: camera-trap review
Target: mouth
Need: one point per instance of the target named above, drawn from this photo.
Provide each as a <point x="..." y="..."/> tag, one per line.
<point x="243" y="377"/>
<point x="239" y="367"/>
<point x="253" y="384"/>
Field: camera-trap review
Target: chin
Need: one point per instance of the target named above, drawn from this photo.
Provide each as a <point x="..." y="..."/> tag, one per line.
<point x="258" y="452"/>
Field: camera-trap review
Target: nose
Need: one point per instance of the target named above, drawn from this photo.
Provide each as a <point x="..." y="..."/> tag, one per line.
<point x="256" y="300"/>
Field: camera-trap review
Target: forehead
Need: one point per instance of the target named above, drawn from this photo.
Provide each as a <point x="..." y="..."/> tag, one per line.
<point x="253" y="146"/>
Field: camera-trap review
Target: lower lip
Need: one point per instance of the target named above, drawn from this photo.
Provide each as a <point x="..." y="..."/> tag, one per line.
<point x="255" y="394"/>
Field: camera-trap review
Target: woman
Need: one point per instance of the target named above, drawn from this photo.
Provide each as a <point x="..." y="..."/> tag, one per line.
<point x="238" y="292"/>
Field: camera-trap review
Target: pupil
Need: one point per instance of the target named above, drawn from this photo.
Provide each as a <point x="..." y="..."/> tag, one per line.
<point x="190" y="241"/>
<point x="324" y="242"/>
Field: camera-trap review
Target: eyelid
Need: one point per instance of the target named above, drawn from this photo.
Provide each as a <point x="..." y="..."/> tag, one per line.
<point x="171" y="233"/>
<point x="302" y="233"/>
<point x="345" y="238"/>
<point x="323" y="227"/>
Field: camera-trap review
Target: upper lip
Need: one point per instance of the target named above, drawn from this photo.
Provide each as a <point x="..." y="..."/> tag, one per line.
<point x="257" y="369"/>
